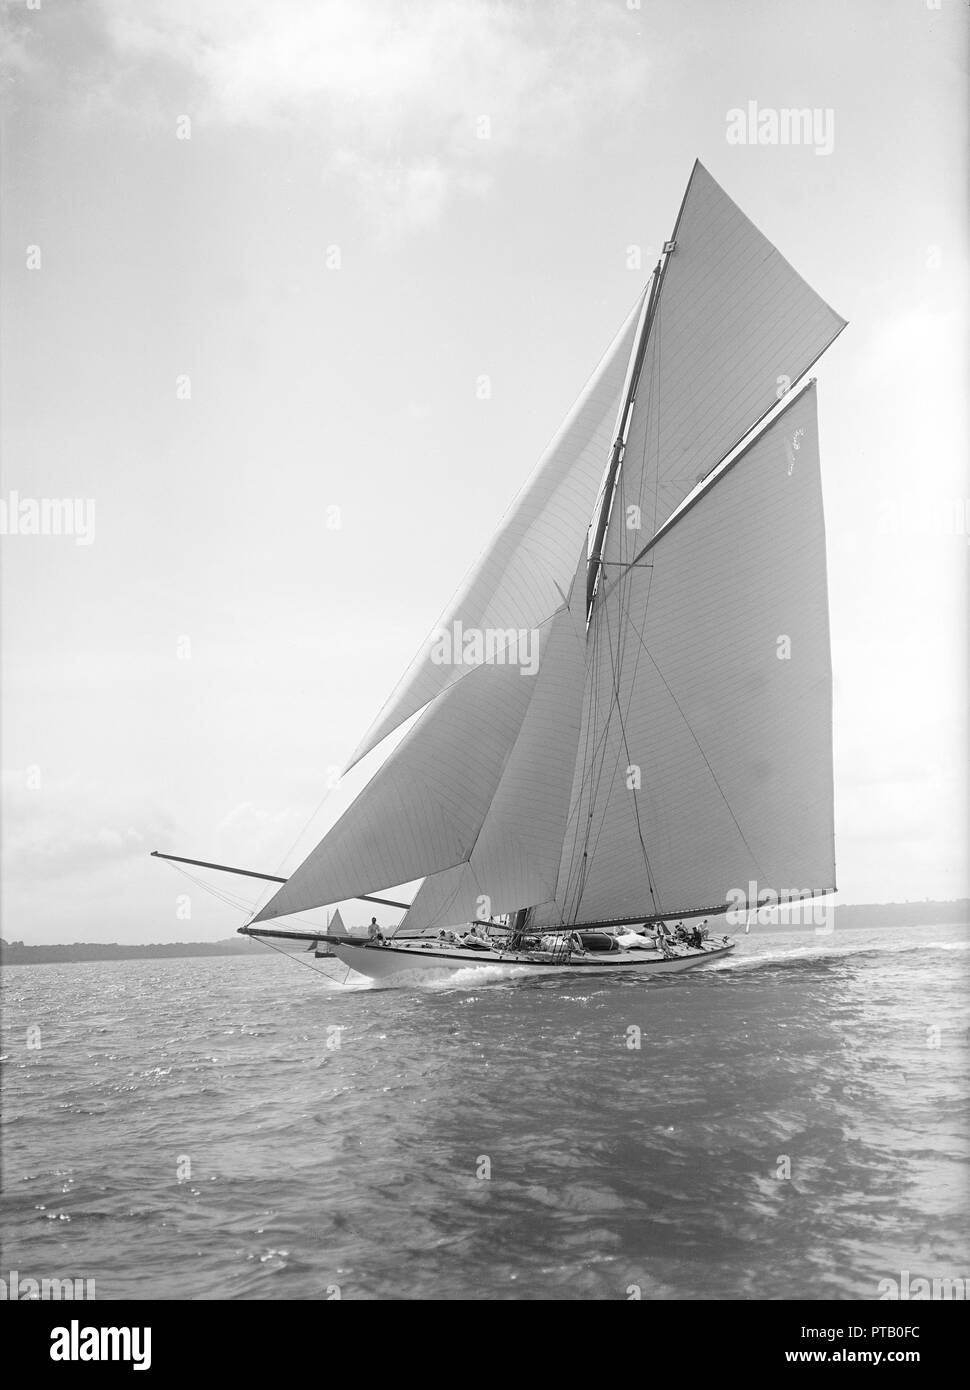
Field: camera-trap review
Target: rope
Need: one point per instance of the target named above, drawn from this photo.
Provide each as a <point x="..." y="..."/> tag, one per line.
<point x="594" y="761"/>
<point x="244" y="905"/>
<point x="302" y="961"/>
<point x="700" y="750"/>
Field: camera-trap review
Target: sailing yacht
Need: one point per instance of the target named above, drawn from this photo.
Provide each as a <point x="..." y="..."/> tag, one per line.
<point x="626" y="712"/>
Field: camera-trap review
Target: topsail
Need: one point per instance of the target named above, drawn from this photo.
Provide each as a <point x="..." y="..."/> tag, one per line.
<point x="735" y="328"/>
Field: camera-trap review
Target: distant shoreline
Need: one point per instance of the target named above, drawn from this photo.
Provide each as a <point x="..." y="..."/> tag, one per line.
<point x="847" y="918"/>
<point x="18" y="953"/>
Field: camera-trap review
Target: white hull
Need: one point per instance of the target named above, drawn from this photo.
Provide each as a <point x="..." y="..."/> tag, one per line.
<point x="381" y="962"/>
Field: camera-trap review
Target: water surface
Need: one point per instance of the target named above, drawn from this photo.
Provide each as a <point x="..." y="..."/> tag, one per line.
<point x="248" y="1128"/>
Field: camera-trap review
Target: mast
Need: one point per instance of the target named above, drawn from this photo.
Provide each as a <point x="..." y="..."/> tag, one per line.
<point x="639" y="348"/>
<point x="619" y="444"/>
<point x="517" y="925"/>
<point x="639" y="352"/>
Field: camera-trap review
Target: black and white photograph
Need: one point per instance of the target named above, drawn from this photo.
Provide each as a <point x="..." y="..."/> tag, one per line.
<point x="485" y="707"/>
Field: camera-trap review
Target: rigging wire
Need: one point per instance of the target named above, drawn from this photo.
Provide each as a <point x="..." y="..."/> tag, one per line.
<point x="652" y="408"/>
<point x="636" y="808"/>
<point x="448" y="608"/>
<point x="700" y="750"/>
<point x="233" y="900"/>
<point x="243" y="905"/>
<point x="595" y="765"/>
<point x="301" y="959"/>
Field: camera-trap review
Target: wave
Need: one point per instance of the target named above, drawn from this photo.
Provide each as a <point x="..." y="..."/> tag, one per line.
<point x="481" y="975"/>
<point x="819" y="955"/>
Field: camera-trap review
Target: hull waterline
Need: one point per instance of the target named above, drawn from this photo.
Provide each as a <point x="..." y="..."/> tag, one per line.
<point x="383" y="962"/>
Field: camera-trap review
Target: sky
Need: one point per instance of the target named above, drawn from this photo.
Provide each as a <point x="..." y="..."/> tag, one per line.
<point x="256" y="259"/>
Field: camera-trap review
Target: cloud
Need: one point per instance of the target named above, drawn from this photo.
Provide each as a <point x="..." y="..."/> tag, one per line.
<point x="417" y="193"/>
<point x="391" y="64"/>
<point x="413" y="104"/>
<point x="66" y="828"/>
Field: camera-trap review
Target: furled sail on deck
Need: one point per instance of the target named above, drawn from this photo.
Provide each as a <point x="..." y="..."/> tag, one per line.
<point x="522" y="577"/>
<point x="705" y="758"/>
<point x="515" y="859"/>
<point x="733" y="325"/>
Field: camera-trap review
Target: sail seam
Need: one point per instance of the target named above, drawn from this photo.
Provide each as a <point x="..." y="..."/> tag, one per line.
<point x="700" y="750"/>
<point x="743" y="444"/>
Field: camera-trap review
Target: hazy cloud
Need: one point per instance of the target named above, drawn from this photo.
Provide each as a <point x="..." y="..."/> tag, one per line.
<point x="412" y="103"/>
<point x="60" y="828"/>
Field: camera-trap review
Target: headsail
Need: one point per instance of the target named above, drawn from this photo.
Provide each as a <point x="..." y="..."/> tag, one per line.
<point x="515" y="859"/>
<point x="423" y="809"/>
<point x="521" y="578"/>
<point x="706" y="756"/>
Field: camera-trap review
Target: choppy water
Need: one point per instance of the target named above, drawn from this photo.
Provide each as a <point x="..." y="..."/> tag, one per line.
<point x="187" y="1128"/>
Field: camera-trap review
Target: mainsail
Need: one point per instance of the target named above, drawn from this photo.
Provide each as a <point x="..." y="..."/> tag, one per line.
<point x="705" y="758"/>
<point x="673" y="743"/>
